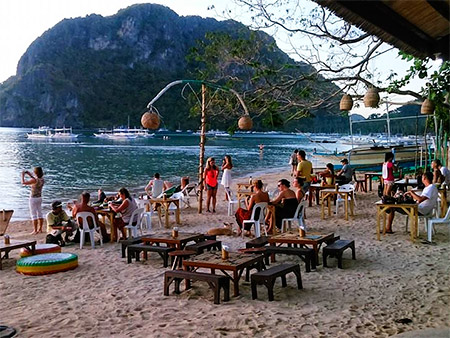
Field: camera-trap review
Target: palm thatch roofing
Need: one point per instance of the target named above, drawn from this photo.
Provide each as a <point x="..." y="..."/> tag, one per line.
<point x="418" y="27"/>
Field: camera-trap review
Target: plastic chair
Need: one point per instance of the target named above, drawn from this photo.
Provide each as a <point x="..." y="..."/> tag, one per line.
<point x="135" y="219"/>
<point x="84" y="227"/>
<point x="298" y="216"/>
<point x="146" y="218"/>
<point x="435" y="221"/>
<point x="257" y="219"/>
<point x="340" y="200"/>
<point x="231" y="201"/>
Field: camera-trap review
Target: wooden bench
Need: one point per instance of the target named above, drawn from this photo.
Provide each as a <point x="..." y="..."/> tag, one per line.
<point x="257" y="242"/>
<point x="307" y="255"/>
<point x="208" y="245"/>
<point x="268" y="277"/>
<point x="14" y="244"/>
<point x="125" y="242"/>
<point x="215" y="282"/>
<point x="134" y="250"/>
<point x="336" y="249"/>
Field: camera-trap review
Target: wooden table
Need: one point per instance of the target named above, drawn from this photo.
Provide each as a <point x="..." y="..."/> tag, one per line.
<point x="368" y="177"/>
<point x="243" y="195"/>
<point x="315" y="188"/>
<point x="293" y="237"/>
<point x="244" y="186"/>
<point x="405" y="183"/>
<point x="165" y="203"/>
<point x="330" y="194"/>
<point x="410" y="209"/>
<point x="111" y="215"/>
<point x="14" y="244"/>
<point x="178" y="242"/>
<point x="236" y="263"/>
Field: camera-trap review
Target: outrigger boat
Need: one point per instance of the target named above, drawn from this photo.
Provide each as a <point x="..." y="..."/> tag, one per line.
<point x="45" y="132"/>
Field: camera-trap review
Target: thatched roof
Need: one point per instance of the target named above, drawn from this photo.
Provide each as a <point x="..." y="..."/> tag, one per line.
<point x="418" y="27"/>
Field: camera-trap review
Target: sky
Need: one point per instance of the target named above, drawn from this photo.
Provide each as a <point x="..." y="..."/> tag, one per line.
<point x="23" y="21"/>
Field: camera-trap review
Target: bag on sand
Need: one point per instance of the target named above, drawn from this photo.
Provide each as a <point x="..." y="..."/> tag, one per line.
<point x="50" y="239"/>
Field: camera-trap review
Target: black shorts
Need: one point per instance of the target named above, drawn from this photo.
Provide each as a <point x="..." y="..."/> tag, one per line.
<point x="208" y="187"/>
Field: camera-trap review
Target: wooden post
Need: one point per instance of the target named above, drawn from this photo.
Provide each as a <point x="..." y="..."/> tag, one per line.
<point x="202" y="149"/>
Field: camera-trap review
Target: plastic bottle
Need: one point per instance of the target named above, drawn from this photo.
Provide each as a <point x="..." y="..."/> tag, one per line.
<point x="250" y="180"/>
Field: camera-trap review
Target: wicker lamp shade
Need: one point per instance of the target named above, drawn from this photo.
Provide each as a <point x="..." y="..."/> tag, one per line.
<point x="371" y="99"/>
<point x="245" y="123"/>
<point x="150" y="120"/>
<point x="346" y="103"/>
<point x="427" y="107"/>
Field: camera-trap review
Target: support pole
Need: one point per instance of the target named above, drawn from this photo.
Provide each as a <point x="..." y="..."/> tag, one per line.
<point x="202" y="149"/>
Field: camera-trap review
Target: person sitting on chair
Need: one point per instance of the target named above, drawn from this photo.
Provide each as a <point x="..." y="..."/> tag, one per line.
<point x="84" y="206"/>
<point x="244" y="214"/>
<point x="327" y="175"/>
<point x="427" y="200"/>
<point x="285" y="204"/>
<point x="298" y="183"/>
<point x="58" y="222"/>
<point x="156" y="186"/>
<point x="438" y="172"/>
<point x="344" y="175"/>
<point x="126" y="209"/>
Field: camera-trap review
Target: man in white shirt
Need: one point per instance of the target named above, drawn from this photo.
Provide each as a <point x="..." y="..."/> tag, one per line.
<point x="156" y="186"/>
<point x="427" y="200"/>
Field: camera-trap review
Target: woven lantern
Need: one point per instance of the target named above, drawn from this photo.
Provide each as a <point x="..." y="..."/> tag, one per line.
<point x="346" y="103"/>
<point x="371" y="99"/>
<point x="427" y="107"/>
<point x="245" y="122"/>
<point x="150" y="120"/>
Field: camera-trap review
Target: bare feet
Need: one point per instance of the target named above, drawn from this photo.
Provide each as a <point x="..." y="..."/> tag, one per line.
<point x="33" y="233"/>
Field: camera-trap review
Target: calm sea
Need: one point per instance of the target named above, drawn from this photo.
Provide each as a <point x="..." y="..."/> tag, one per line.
<point x="88" y="163"/>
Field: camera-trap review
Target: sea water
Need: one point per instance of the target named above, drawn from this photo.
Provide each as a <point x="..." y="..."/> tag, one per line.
<point x="88" y="163"/>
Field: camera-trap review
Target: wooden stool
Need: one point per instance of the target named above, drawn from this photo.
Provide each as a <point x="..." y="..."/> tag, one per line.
<point x="178" y="256"/>
<point x="336" y="249"/>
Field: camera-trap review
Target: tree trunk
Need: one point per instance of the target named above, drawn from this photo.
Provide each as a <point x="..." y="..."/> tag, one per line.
<point x="202" y="150"/>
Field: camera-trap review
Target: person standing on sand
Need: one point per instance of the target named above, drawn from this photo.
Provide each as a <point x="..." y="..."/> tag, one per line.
<point x="294" y="162"/>
<point x="304" y="169"/>
<point x="210" y="176"/>
<point x="36" y="182"/>
<point x="388" y="173"/>
<point x="227" y="165"/>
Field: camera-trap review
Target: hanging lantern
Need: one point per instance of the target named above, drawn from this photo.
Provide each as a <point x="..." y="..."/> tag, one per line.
<point x="245" y="122"/>
<point x="150" y="120"/>
<point x="346" y="103"/>
<point x="427" y="107"/>
<point x="371" y="99"/>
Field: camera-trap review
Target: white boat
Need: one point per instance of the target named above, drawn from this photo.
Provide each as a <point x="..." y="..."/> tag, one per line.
<point x="45" y="132"/>
<point x="64" y="133"/>
<point x="123" y="133"/>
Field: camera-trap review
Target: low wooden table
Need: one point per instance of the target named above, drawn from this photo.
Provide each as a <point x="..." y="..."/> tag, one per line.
<point x="14" y="244"/>
<point x="346" y="194"/>
<point x="179" y="242"/>
<point x="165" y="203"/>
<point x="410" y="209"/>
<point x="369" y="176"/>
<point x="236" y="263"/>
<point x="111" y="215"/>
<point x="293" y="237"/>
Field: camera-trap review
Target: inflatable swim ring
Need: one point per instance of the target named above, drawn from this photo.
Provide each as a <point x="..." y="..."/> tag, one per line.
<point x="47" y="263"/>
<point x="40" y="249"/>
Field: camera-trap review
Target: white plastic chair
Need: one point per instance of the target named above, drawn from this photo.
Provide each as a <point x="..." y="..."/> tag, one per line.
<point x="135" y="219"/>
<point x="298" y="216"/>
<point x="231" y="201"/>
<point x="84" y="227"/>
<point x="435" y="221"/>
<point x="340" y="200"/>
<point x="146" y="218"/>
<point x="257" y="221"/>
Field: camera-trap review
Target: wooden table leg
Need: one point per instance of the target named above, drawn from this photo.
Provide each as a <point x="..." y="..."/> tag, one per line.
<point x="384" y="223"/>
<point x="316" y="250"/>
<point x="329" y="205"/>
<point x="310" y="196"/>
<point x="236" y="283"/>
<point x="177" y="212"/>
<point x="272" y="256"/>
<point x="113" y="228"/>
<point x="378" y="223"/>
<point x="322" y="214"/>
<point x="346" y="206"/>
<point x="352" y="205"/>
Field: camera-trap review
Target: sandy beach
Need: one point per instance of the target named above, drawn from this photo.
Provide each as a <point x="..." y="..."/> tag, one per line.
<point x="390" y="281"/>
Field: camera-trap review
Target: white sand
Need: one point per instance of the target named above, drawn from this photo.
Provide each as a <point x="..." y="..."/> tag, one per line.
<point x="390" y="280"/>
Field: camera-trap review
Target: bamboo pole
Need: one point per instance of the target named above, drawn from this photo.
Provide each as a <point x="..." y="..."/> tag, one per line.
<point x="202" y="149"/>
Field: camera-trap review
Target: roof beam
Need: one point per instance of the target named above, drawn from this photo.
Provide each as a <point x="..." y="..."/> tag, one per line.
<point x="440" y="6"/>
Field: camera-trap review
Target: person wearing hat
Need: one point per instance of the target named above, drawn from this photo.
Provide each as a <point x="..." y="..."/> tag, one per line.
<point x="58" y="222"/>
<point x="344" y="175"/>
